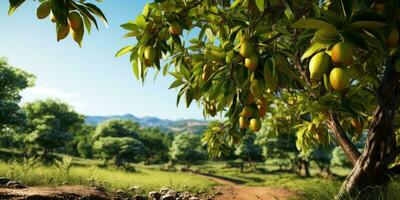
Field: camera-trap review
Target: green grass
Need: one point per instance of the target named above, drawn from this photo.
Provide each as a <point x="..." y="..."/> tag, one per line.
<point x="145" y="179"/>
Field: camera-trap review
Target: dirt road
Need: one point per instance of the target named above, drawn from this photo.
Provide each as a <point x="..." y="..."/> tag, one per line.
<point x="230" y="189"/>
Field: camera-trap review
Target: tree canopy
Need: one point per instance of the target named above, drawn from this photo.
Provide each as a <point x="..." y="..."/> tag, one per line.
<point x="12" y="82"/>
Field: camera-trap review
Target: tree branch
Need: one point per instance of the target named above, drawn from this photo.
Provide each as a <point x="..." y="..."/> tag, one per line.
<point x="348" y="147"/>
<point x="395" y="170"/>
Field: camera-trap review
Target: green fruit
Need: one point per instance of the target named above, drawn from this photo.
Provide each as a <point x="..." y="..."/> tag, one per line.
<point x="246" y="49"/>
<point x="255" y="124"/>
<point x="319" y="65"/>
<point x="150" y="53"/>
<point x="227" y="45"/>
<point x="251" y="62"/>
<point x="243" y="122"/>
<point x="339" y="78"/>
<point x="75" y="21"/>
<point x="247" y="111"/>
<point x="342" y="53"/>
<point x="393" y="38"/>
<point x="257" y="88"/>
<point x="175" y="28"/>
<point x="62" y="31"/>
<point x="43" y="10"/>
<point x="163" y="34"/>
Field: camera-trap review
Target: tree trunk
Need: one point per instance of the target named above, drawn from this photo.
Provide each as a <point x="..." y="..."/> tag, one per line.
<point x="371" y="171"/>
<point x="45" y="152"/>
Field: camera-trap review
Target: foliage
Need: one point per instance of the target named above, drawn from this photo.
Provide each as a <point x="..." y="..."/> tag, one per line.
<point x="12" y="81"/>
<point x="339" y="158"/>
<point x="116" y="128"/>
<point x="186" y="148"/>
<point x="50" y="123"/>
<point x="248" y="150"/>
<point x="120" y="149"/>
<point x="156" y="144"/>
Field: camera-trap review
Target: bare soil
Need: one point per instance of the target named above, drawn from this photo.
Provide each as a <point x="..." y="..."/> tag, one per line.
<point x="230" y="189"/>
<point x="51" y="193"/>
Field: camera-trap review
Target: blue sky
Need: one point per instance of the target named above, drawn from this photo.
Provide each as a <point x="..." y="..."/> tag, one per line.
<point x="91" y="79"/>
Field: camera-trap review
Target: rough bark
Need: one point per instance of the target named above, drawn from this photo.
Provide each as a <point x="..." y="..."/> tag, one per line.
<point x="344" y="142"/>
<point x="372" y="168"/>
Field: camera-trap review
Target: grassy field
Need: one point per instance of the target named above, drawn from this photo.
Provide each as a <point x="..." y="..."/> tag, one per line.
<point x="143" y="180"/>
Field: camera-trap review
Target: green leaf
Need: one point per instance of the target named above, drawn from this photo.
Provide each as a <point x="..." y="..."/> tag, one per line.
<point x="314" y="24"/>
<point x="94" y="9"/>
<point x="88" y="25"/>
<point x="130" y="26"/>
<point x="133" y="33"/>
<point x="260" y="5"/>
<point x="14" y="4"/>
<point x="176" y="83"/>
<point x="135" y="68"/>
<point x="367" y="24"/>
<point x="124" y="50"/>
<point x="236" y="3"/>
<point x="312" y="49"/>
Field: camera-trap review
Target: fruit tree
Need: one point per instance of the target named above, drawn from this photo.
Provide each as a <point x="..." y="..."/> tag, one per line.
<point x="336" y="61"/>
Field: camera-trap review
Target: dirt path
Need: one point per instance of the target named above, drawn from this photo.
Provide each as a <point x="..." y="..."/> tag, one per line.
<point x="229" y="189"/>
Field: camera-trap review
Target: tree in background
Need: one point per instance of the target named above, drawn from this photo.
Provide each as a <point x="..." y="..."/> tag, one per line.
<point x="119" y="149"/>
<point x="156" y="144"/>
<point x="118" y="140"/>
<point x="117" y="128"/>
<point x="248" y="150"/>
<point x="82" y="143"/>
<point x="12" y="82"/>
<point x="339" y="158"/>
<point x="339" y="59"/>
<point x="50" y="123"/>
<point x="186" y="148"/>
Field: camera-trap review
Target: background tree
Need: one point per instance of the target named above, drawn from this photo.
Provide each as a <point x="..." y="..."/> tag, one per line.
<point x="248" y="150"/>
<point x="156" y="144"/>
<point x="339" y="158"/>
<point x="186" y="148"/>
<point x="81" y="144"/>
<point x="12" y="82"/>
<point x="50" y="123"/>
<point x="118" y="140"/>
<point x="119" y="149"/>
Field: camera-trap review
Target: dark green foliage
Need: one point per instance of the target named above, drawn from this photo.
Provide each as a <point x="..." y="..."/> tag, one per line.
<point x="50" y="123"/>
<point x="156" y="144"/>
<point x="12" y="82"/>
<point x="248" y="150"/>
<point x="186" y="148"/>
<point x="116" y="128"/>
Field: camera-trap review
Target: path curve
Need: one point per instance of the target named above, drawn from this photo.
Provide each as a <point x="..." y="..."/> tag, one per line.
<point x="229" y="189"/>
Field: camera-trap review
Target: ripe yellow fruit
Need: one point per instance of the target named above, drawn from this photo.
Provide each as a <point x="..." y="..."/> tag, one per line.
<point x="358" y="126"/>
<point x="175" y="28"/>
<point x="75" y="21"/>
<point x="319" y="65"/>
<point x="255" y="124"/>
<point x="247" y="111"/>
<point x="342" y="53"/>
<point x="257" y="88"/>
<point x="251" y="62"/>
<point x="246" y="49"/>
<point x="393" y="38"/>
<point x="243" y="122"/>
<point x="53" y="18"/>
<point x="339" y="78"/>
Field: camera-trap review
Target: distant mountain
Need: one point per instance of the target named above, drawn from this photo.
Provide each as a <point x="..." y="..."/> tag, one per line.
<point x="191" y="125"/>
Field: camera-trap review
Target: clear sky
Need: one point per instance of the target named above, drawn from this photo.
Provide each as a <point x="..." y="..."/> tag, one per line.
<point x="91" y="79"/>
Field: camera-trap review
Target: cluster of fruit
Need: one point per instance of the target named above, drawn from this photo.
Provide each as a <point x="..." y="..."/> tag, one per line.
<point x="73" y="25"/>
<point x="342" y="56"/>
<point x="252" y="113"/>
